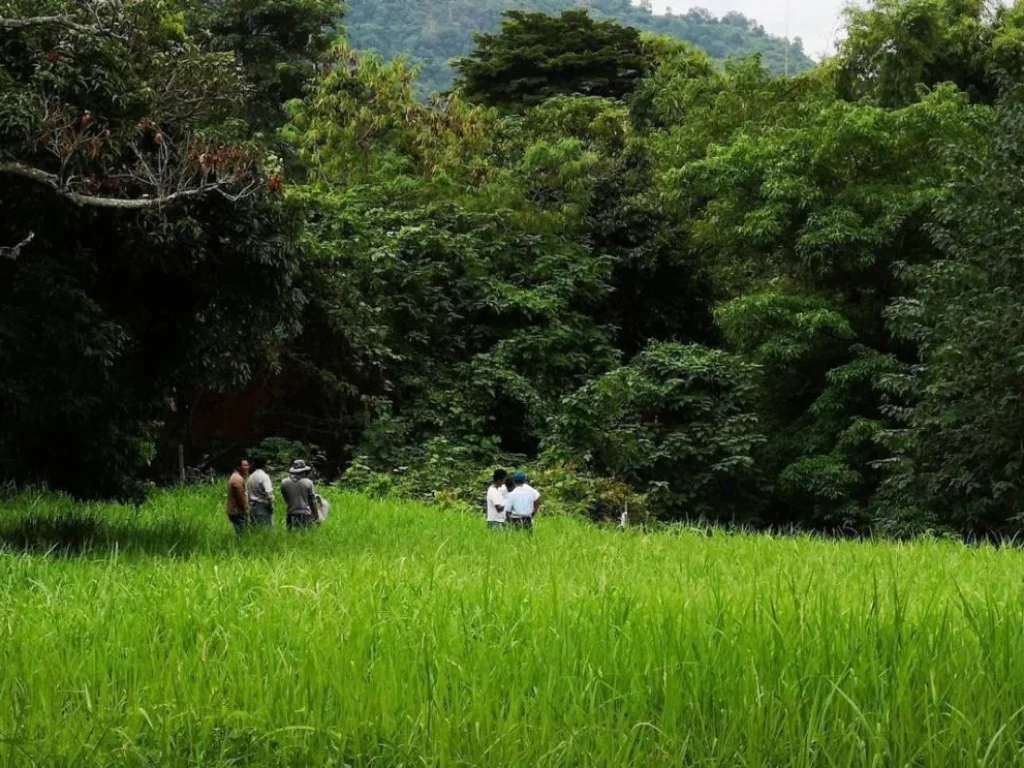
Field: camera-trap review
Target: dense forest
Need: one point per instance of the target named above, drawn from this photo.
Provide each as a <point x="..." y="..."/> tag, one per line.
<point x="435" y="33"/>
<point x="710" y="293"/>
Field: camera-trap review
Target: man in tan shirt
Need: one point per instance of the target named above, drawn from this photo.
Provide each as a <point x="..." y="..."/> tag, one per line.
<point x="238" y="497"/>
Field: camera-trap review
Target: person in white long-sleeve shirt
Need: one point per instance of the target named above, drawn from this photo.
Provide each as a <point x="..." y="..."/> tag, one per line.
<point x="522" y="503"/>
<point x="496" y="494"/>
<point x="261" y="494"/>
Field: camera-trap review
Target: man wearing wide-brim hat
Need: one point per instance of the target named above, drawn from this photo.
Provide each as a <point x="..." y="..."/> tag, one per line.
<point x="300" y="496"/>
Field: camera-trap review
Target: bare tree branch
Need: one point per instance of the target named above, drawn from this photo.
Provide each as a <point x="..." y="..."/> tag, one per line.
<point x="95" y="23"/>
<point x="248" y="191"/>
<point x="11" y="252"/>
<point x="42" y="21"/>
<point x="53" y="181"/>
<point x="31" y="173"/>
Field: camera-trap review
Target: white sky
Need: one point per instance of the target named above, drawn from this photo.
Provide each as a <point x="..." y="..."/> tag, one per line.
<point x="818" y="22"/>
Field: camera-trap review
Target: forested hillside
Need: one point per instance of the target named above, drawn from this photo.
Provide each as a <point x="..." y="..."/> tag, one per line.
<point x="436" y="32"/>
<point x="705" y="292"/>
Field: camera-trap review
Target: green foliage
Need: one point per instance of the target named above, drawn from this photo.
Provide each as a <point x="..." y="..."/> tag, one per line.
<point x="806" y="397"/>
<point x="958" y="444"/>
<point x="819" y="479"/>
<point x="779" y="328"/>
<point x="445" y="297"/>
<point x="714" y="292"/>
<point x="456" y="478"/>
<point x="280" y="452"/>
<point x="536" y="57"/>
<point x="437" y="32"/>
<point x="805" y="205"/>
<point x="435" y="471"/>
<point x="832" y="195"/>
<point x="604" y="172"/>
<point x="677" y="423"/>
<point x="153" y="245"/>
<point x="467" y="320"/>
<point x="683" y="78"/>
<point x="897" y="50"/>
<point x="277" y="42"/>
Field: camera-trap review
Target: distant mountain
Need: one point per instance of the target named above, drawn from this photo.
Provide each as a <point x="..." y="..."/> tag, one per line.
<point x="434" y="32"/>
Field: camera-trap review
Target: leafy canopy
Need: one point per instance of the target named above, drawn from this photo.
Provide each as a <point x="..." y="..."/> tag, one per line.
<point x="434" y="33"/>
<point x="537" y="56"/>
<point x="677" y="422"/>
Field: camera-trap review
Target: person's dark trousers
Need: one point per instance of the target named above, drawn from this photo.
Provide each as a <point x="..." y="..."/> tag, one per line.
<point x="240" y="522"/>
<point x="521" y="524"/>
<point x="262" y="514"/>
<point x="296" y="522"/>
<point x="496" y="525"/>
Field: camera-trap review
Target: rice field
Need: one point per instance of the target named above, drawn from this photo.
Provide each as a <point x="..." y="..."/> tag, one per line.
<point x="400" y="635"/>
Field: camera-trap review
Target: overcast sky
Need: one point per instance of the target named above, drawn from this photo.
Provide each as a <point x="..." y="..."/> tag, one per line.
<point x="816" y="21"/>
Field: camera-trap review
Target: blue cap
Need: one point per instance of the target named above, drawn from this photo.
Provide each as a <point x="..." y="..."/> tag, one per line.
<point x="519" y="477"/>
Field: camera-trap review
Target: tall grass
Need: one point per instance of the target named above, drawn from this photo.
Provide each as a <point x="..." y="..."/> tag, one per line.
<point x="399" y="635"/>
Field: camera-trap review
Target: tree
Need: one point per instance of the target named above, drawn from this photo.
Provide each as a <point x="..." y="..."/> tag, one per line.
<point x="817" y="401"/>
<point x="277" y="42"/>
<point x="658" y="290"/>
<point x="805" y="205"/>
<point x="678" y="424"/>
<point x="958" y="446"/>
<point x="896" y="50"/>
<point x="446" y="293"/>
<point x="145" y="235"/>
<point x="129" y="139"/>
<point x="537" y="56"/>
<point x="434" y="33"/>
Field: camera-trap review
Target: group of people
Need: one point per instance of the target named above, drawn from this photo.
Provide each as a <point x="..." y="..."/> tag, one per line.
<point x="251" y="496"/>
<point x="511" y="502"/>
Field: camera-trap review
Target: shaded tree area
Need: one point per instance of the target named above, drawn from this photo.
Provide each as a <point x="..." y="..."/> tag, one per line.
<point x="144" y="233"/>
<point x="710" y="293"/>
<point x="277" y="44"/>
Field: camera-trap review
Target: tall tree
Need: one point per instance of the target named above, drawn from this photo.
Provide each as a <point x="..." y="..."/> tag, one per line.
<point x="804" y="205"/>
<point x="958" y="447"/>
<point x="678" y="423"/>
<point x="896" y="50"/>
<point x="446" y="280"/>
<point x="142" y="237"/>
<point x="277" y="42"/>
<point x="537" y="56"/>
<point x="437" y="32"/>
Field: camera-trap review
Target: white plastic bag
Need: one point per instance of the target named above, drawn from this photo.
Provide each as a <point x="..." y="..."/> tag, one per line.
<point x="323" y="508"/>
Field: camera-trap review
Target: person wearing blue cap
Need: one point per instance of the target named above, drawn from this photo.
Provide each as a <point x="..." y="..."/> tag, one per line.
<point x="522" y="503"/>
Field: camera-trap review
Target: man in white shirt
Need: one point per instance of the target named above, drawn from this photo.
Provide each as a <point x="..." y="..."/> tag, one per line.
<point x="496" y="494"/>
<point x="261" y="494"/>
<point x="522" y="503"/>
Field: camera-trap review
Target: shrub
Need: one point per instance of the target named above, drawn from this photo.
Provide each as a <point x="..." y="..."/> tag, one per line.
<point x="280" y="452"/>
<point x="677" y="425"/>
<point x="450" y="476"/>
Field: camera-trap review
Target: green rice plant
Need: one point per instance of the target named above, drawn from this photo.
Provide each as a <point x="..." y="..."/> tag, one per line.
<point x="398" y="634"/>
